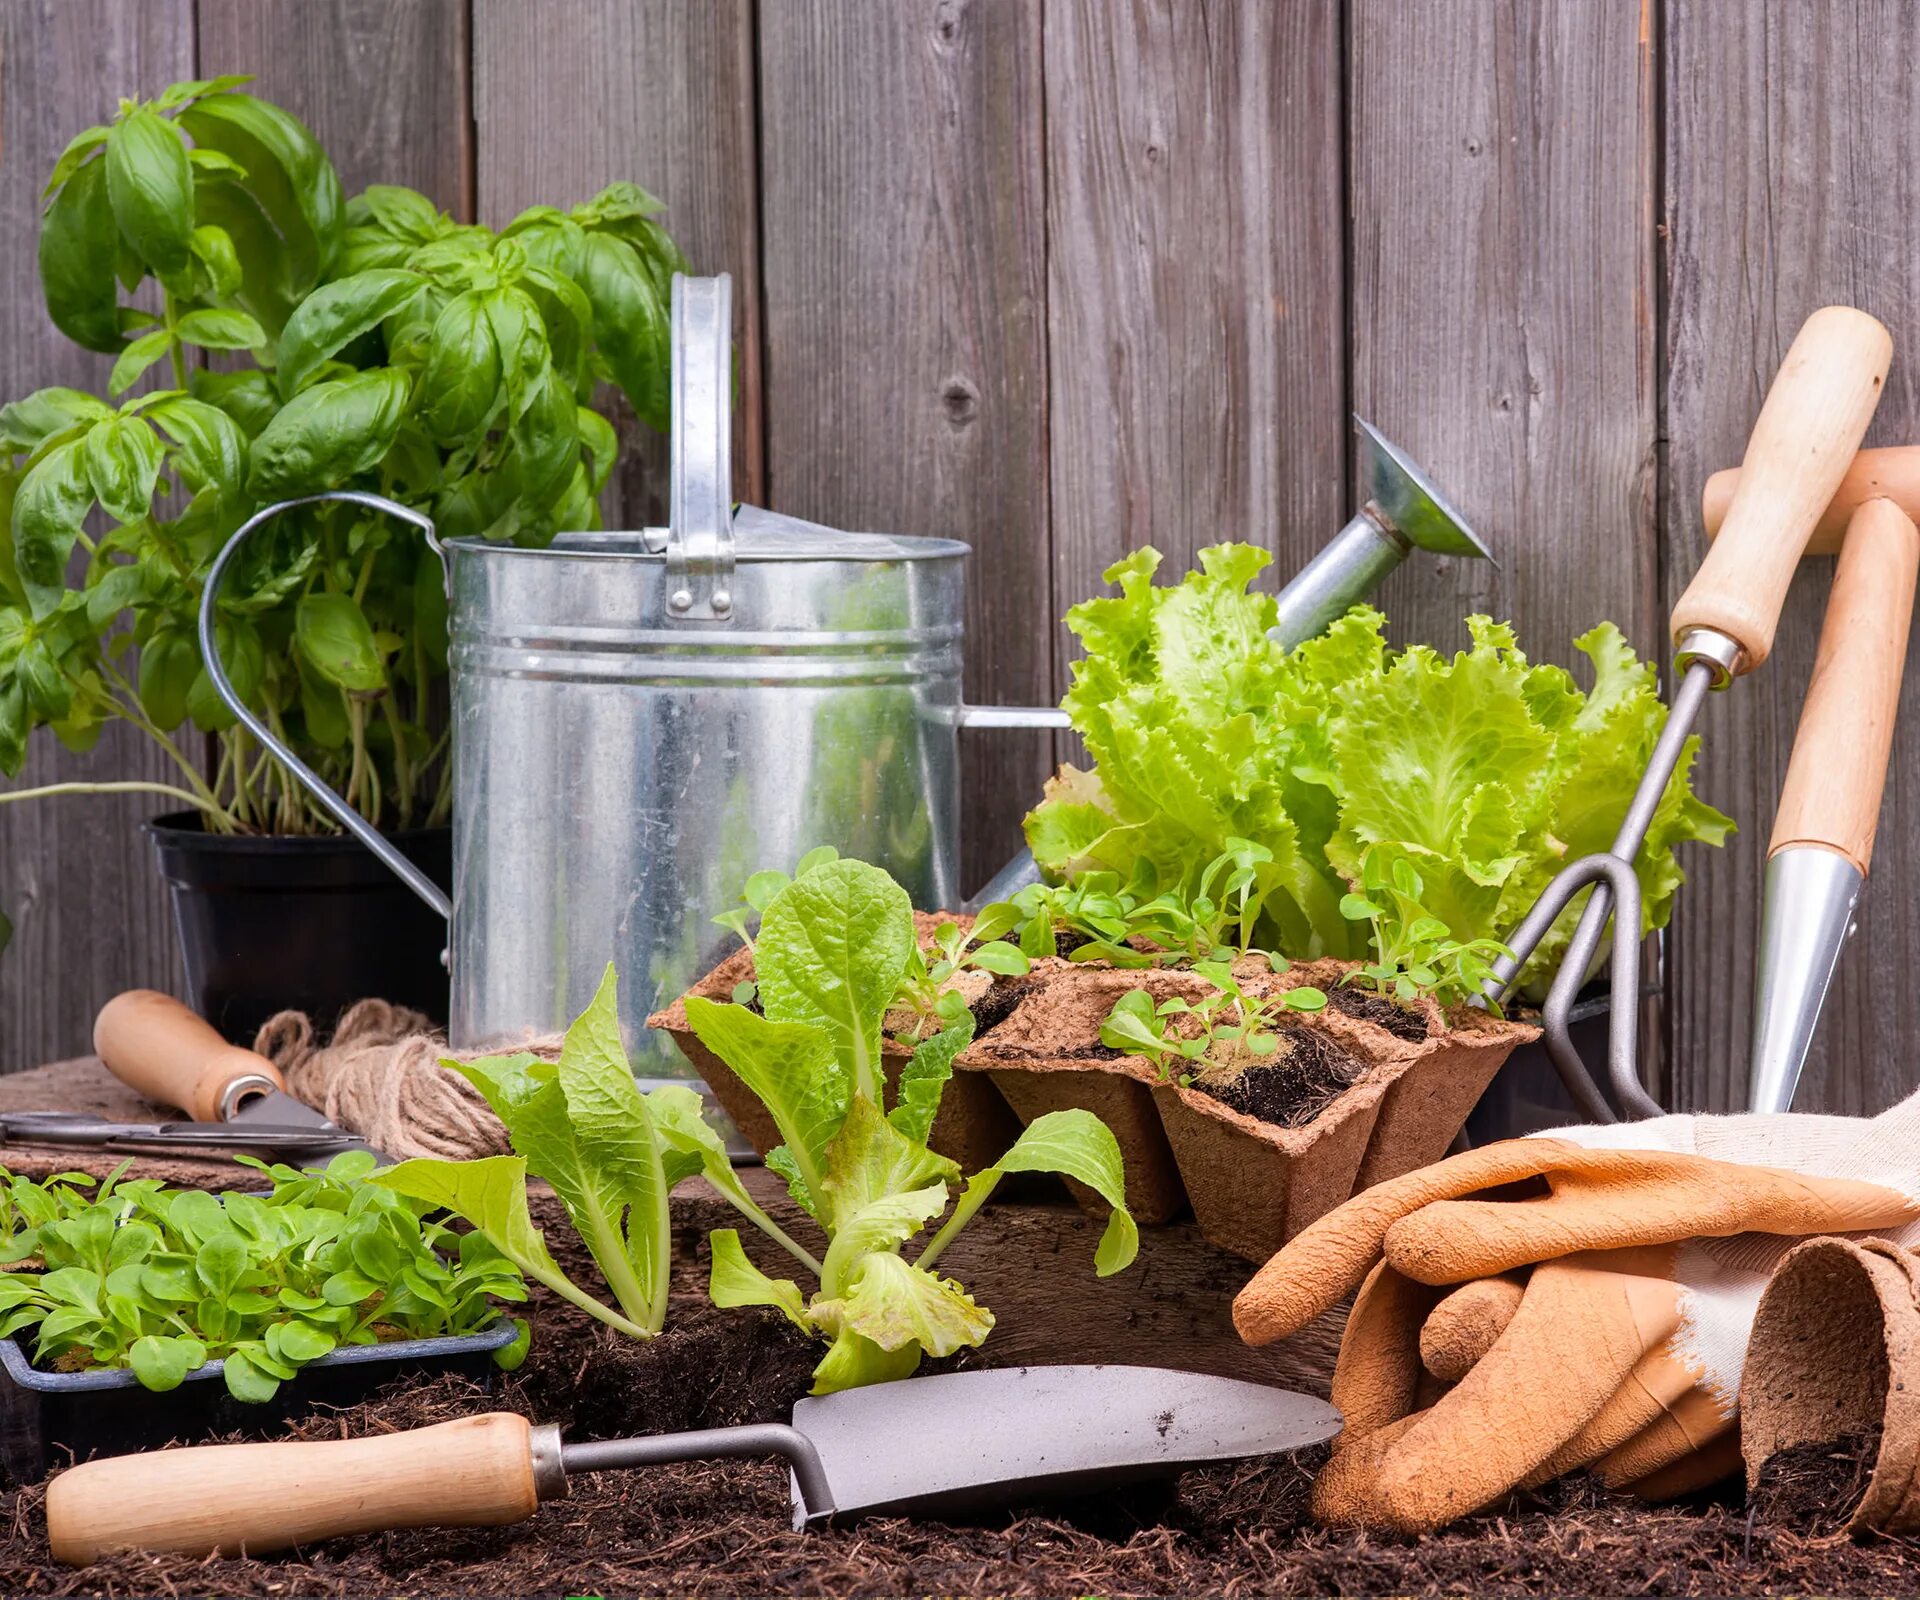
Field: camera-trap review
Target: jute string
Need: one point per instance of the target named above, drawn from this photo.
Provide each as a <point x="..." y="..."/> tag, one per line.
<point x="380" y="1077"/>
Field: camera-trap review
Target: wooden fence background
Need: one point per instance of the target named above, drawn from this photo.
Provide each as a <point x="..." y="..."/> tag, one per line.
<point x="1061" y="277"/>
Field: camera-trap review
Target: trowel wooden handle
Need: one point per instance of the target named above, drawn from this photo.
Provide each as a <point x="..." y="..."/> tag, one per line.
<point x="1891" y="472"/>
<point x="153" y="1043"/>
<point x="476" y="1472"/>
<point x="1807" y="432"/>
<point x="1839" y="763"/>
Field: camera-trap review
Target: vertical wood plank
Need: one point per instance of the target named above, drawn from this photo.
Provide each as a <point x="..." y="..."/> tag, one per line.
<point x="658" y="93"/>
<point x="384" y="87"/>
<point x="76" y="874"/>
<point x="905" y="303"/>
<point x="1791" y="181"/>
<point x="1194" y="282"/>
<point x="1504" y="309"/>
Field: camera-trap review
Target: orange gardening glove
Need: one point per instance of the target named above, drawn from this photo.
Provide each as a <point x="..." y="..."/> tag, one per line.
<point x="1623" y="1352"/>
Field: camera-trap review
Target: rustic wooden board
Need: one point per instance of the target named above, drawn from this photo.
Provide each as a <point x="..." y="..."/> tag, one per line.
<point x="903" y="209"/>
<point x="1033" y="1264"/>
<point x="1792" y="153"/>
<point x="1194" y="283"/>
<point x="572" y="94"/>
<point x="76" y="874"/>
<point x="383" y="87"/>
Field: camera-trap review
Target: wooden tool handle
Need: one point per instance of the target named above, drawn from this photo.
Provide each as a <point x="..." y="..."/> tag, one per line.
<point x="1839" y="763"/>
<point x="1806" y="434"/>
<point x="476" y="1472"/>
<point x="153" y="1043"/>
<point x="1891" y="472"/>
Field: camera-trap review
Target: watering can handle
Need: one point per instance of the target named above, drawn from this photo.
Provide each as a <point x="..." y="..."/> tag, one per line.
<point x="700" y="504"/>
<point x="344" y="814"/>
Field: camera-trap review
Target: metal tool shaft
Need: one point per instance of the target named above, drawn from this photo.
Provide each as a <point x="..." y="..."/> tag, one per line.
<point x="1808" y="913"/>
<point x="709" y="1444"/>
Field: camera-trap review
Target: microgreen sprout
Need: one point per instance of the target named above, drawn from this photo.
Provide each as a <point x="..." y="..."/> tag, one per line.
<point x="1225" y="1022"/>
<point x="1415" y="951"/>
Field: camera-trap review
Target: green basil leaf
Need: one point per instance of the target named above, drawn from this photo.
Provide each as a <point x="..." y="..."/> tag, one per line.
<point x="335" y="639"/>
<point x="288" y="174"/>
<point x="546" y="443"/>
<point x="25" y="423"/>
<point x="246" y="397"/>
<point x="243" y="658"/>
<point x="327" y="434"/>
<point x="169" y="664"/>
<point x="404" y="213"/>
<point x="123" y="459"/>
<point x="151" y="189"/>
<point x="52" y="502"/>
<point x="602" y="444"/>
<point x="111" y="591"/>
<point x="212" y="164"/>
<point x="215" y="329"/>
<point x="78" y="247"/>
<point x="323" y="708"/>
<point x="521" y="338"/>
<point x="336" y="314"/>
<point x="630" y="325"/>
<point x="267" y="289"/>
<point x="137" y="357"/>
<point x="49" y="693"/>
<point x="82" y="145"/>
<point x="209" y="449"/>
<point x="461" y="384"/>
<point x="178" y="94"/>
<point x="14" y="727"/>
<point x="213" y="249"/>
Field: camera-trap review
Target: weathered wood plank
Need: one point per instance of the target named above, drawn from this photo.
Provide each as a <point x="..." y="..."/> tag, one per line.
<point x="1792" y="155"/>
<point x="76" y="875"/>
<point x="1194" y="282"/>
<point x="658" y="93"/>
<point x="383" y="87"/>
<point x="903" y="209"/>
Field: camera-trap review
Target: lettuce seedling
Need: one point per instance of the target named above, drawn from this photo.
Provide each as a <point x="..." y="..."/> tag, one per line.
<point x="611" y="1154"/>
<point x="834" y="945"/>
<point x="1416" y="954"/>
<point x="136" y="1275"/>
<point x="1224" y="1021"/>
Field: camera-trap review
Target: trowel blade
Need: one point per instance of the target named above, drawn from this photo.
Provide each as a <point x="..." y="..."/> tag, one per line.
<point x="278" y="1110"/>
<point x="1408" y="499"/>
<point x="964" y="1441"/>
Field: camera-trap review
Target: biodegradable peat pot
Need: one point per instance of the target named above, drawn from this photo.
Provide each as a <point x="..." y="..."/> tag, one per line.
<point x="974" y="1125"/>
<point x="1834" y="1361"/>
<point x="311" y="923"/>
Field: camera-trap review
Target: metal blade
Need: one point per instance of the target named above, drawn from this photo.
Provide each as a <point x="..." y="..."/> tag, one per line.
<point x="1806" y="917"/>
<point x="963" y="1441"/>
<point x="274" y="1109"/>
<point x="79" y="1128"/>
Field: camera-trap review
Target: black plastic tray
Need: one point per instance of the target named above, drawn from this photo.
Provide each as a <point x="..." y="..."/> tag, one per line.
<point x="48" y="1415"/>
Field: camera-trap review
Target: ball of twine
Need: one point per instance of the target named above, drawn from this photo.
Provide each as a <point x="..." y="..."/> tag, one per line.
<point x="379" y="1077"/>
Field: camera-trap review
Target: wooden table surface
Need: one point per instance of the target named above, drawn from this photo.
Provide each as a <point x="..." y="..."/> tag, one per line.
<point x="1031" y="1263"/>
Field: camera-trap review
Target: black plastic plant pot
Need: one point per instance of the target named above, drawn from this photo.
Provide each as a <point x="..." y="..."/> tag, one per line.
<point x="310" y="923"/>
<point x="47" y="1416"/>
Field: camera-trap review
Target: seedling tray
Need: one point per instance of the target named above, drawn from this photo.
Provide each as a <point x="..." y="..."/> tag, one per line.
<point x="45" y="1416"/>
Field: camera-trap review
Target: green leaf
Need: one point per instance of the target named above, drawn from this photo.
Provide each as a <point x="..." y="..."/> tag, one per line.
<point x="1078" y="1145"/>
<point x="521" y="340"/>
<point x="336" y="314"/>
<point x="213" y="249"/>
<point x="138" y="357"/>
<point x="631" y="325"/>
<point x="335" y="639"/>
<point x="490" y="1193"/>
<point x="288" y="176"/>
<point x="26" y="424"/>
<point x="404" y="213"/>
<point x="460" y="387"/>
<point x="854" y="1360"/>
<point x="151" y="189"/>
<point x="78" y="245"/>
<point x="881" y="1224"/>
<point x="736" y="1281"/>
<point x="793" y="1071"/>
<point x="162" y="1363"/>
<point x="832" y="947"/>
<point x="123" y="461"/>
<point x="924" y="1078"/>
<point x="900" y="1306"/>
<point x="328" y="434"/>
<point x="247" y="1379"/>
<point x="210" y="452"/>
<point x="221" y="330"/>
<point x="80" y="147"/>
<point x="48" y="509"/>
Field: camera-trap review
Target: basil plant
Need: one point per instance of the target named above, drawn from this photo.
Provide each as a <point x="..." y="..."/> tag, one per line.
<point x="302" y="341"/>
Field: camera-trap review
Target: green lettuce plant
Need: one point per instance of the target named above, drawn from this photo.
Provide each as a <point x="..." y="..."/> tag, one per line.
<point x="1414" y="953"/>
<point x="161" y="1281"/>
<point x="832" y="949"/>
<point x="371" y="343"/>
<point x="1486" y="771"/>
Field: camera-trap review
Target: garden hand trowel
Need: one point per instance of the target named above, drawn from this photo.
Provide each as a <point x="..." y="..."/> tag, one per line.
<point x="151" y="1042"/>
<point x="952" y="1443"/>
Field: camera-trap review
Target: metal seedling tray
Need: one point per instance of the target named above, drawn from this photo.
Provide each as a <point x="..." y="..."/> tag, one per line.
<point x="47" y="1415"/>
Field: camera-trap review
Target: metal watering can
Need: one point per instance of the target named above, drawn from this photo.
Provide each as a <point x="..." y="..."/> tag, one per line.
<point x="641" y="720"/>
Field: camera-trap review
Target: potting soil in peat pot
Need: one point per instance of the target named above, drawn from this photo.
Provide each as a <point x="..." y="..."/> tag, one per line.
<point x="1288" y="1088"/>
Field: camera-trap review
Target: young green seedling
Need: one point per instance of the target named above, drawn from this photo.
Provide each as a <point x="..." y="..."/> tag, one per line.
<point x="924" y="985"/>
<point x="1222" y="1023"/>
<point x="1415" y="952"/>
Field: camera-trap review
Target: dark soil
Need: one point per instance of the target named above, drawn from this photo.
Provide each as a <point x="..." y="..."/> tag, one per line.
<point x="1378" y="1009"/>
<point x="722" y="1528"/>
<point x="1816" y="1487"/>
<point x="1291" y="1087"/>
<point x="997" y="1004"/>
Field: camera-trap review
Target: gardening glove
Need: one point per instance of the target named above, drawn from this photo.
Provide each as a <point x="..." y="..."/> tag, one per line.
<point x="1625" y="1358"/>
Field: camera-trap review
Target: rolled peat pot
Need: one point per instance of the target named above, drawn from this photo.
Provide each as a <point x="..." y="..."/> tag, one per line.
<point x="48" y="1415"/>
<point x="1364" y="1091"/>
<point x="309" y="923"/>
<point x="1830" y="1395"/>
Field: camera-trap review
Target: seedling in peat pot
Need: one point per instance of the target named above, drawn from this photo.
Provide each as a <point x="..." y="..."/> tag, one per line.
<point x="1220" y="1025"/>
<point x="1415" y="951"/>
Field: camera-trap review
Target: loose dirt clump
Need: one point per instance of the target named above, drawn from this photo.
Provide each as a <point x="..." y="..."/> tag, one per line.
<point x="1816" y="1487"/>
<point x="996" y="1005"/>
<point x="1378" y="1009"/>
<point x="1288" y="1088"/>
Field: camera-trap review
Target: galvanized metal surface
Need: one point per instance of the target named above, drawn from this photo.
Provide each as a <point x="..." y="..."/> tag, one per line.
<point x="1807" y="915"/>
